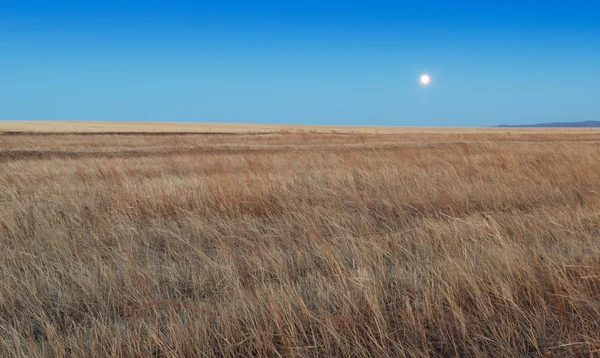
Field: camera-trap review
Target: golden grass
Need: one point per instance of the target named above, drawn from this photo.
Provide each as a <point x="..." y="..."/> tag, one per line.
<point x="201" y="127"/>
<point x="301" y="244"/>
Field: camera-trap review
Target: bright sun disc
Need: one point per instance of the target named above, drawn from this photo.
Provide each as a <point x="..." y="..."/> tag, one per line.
<point x="425" y="79"/>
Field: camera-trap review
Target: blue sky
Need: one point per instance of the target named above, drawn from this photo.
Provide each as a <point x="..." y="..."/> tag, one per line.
<point x="316" y="62"/>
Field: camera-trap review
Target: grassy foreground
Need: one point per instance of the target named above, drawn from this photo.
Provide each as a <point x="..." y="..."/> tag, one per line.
<point x="300" y="244"/>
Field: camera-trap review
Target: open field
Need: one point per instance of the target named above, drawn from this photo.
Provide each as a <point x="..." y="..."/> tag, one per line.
<point x="293" y="243"/>
<point x="206" y="127"/>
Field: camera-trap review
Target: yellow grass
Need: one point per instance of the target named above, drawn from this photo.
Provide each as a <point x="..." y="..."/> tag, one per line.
<point x="178" y="127"/>
<point x="423" y="243"/>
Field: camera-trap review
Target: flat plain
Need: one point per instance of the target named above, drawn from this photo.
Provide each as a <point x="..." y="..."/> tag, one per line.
<point x="298" y="241"/>
<point x="109" y="127"/>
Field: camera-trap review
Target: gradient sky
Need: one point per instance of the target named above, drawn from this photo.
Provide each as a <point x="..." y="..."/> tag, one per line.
<point x="290" y="61"/>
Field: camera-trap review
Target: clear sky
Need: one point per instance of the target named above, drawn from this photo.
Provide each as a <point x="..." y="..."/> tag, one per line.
<point x="291" y="61"/>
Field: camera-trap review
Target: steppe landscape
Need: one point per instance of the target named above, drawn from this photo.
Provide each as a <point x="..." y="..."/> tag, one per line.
<point x="138" y="240"/>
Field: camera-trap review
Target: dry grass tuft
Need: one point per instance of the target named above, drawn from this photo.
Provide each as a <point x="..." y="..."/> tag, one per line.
<point x="300" y="244"/>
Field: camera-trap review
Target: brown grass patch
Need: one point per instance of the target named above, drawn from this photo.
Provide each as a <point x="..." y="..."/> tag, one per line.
<point x="417" y="244"/>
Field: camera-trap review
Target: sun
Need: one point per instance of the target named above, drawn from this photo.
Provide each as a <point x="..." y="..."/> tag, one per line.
<point x="425" y="79"/>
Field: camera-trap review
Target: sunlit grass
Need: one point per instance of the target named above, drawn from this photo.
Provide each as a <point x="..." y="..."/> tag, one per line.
<point x="300" y="244"/>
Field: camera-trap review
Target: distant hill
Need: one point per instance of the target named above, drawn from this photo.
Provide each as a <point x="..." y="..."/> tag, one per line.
<point x="586" y="124"/>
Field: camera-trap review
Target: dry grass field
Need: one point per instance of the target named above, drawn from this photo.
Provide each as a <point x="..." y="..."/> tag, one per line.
<point x="299" y="243"/>
<point x="108" y="127"/>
